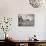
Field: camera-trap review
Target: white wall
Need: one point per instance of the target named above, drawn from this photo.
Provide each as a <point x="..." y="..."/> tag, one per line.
<point x="12" y="8"/>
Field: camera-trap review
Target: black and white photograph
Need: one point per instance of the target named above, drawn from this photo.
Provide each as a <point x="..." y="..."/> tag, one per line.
<point x="26" y="19"/>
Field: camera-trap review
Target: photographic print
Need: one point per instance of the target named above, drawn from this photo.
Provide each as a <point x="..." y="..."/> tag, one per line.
<point x="26" y="19"/>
